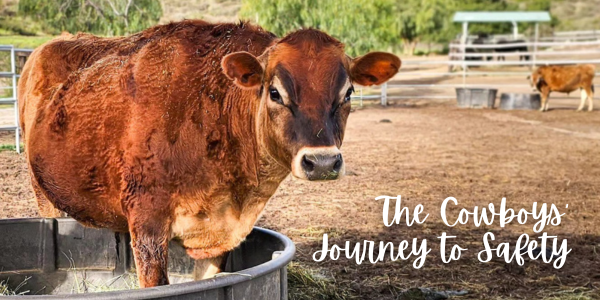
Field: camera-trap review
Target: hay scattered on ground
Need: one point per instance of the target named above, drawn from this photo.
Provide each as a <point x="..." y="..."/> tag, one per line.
<point x="310" y="284"/>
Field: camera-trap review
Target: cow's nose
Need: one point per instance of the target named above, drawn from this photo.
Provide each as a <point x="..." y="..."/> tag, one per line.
<point x="318" y="163"/>
<point x="322" y="166"/>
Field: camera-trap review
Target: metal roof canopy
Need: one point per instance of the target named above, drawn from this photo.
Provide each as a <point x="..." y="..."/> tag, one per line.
<point x="501" y="16"/>
<point x="466" y="17"/>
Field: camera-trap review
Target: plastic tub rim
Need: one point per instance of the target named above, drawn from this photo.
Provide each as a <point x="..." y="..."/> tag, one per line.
<point x="188" y="287"/>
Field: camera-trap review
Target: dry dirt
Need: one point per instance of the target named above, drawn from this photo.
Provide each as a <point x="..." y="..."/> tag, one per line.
<point x="430" y="151"/>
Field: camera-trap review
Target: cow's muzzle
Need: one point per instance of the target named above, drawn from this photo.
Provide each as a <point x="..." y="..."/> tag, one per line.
<point x="318" y="163"/>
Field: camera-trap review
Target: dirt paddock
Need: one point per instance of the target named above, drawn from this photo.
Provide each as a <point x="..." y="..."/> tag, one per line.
<point x="427" y="152"/>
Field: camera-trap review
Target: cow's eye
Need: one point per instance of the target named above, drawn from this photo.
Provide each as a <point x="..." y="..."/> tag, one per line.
<point x="348" y="94"/>
<point x="275" y="96"/>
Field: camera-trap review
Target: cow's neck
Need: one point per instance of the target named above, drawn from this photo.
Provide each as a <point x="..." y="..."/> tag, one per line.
<point x="269" y="178"/>
<point x="218" y="216"/>
<point x="254" y="193"/>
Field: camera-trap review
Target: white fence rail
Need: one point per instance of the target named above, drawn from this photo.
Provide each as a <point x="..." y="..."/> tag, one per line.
<point x="525" y="44"/>
<point x="460" y="59"/>
<point x="540" y="53"/>
<point x="577" y="33"/>
<point x="573" y="35"/>
<point x="502" y="63"/>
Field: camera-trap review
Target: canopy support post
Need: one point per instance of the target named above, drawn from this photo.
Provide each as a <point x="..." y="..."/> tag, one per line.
<point x="535" y="43"/>
<point x="463" y="43"/>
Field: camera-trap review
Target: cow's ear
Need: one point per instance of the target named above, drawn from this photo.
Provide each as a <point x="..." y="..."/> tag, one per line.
<point x="374" y="68"/>
<point x="244" y="69"/>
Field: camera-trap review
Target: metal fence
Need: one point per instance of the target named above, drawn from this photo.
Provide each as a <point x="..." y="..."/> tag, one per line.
<point x="12" y="75"/>
<point x="573" y="36"/>
<point x="471" y="63"/>
<point x="559" y="51"/>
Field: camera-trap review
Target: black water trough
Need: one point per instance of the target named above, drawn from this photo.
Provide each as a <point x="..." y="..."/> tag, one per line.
<point x="59" y="259"/>
<point x="510" y="101"/>
<point x="475" y="98"/>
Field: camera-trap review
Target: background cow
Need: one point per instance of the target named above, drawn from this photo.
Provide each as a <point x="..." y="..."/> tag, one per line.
<point x="565" y="79"/>
<point x="184" y="131"/>
<point x="482" y="39"/>
<point x="523" y="49"/>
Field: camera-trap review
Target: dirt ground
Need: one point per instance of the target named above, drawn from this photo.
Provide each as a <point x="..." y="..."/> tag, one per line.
<point x="427" y="152"/>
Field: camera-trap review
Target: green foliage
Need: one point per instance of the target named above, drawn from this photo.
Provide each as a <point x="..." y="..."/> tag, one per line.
<point x="361" y="25"/>
<point x="16" y="26"/>
<point x="10" y="24"/>
<point x="538" y="5"/>
<point x="105" y="17"/>
<point x="486" y="5"/>
<point x="3" y="285"/>
<point x="425" y="21"/>
<point x="502" y="5"/>
<point x="27" y="42"/>
<point x="434" y="19"/>
<point x="381" y="24"/>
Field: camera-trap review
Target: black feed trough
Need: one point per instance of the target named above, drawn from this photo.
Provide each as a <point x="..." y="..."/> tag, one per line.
<point x="59" y="259"/>
<point x="510" y="101"/>
<point x="475" y="98"/>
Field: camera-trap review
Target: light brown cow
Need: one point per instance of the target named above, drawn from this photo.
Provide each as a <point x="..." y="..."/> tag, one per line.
<point x="565" y="79"/>
<point x="184" y="131"/>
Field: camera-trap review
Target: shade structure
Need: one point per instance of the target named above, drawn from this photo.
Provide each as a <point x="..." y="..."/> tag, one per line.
<point x="504" y="16"/>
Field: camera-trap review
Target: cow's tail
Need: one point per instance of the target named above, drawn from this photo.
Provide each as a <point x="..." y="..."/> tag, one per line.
<point x="592" y="87"/>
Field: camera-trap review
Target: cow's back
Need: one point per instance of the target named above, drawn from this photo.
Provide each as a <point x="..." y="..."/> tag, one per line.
<point x="568" y="78"/>
<point x="152" y="110"/>
<point x="51" y="64"/>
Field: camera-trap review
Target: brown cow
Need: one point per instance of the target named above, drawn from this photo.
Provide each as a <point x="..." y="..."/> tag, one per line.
<point x="148" y="133"/>
<point x="565" y="79"/>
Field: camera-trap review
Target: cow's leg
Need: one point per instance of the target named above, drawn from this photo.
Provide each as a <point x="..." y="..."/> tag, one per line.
<point x="149" y="229"/>
<point x="150" y="251"/>
<point x="590" y="98"/>
<point x="583" y="98"/>
<point x="206" y="268"/>
<point x="544" y="105"/>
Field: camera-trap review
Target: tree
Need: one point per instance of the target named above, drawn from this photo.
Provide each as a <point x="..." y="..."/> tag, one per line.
<point x="423" y="20"/>
<point x="486" y="5"/>
<point x="538" y="5"/>
<point x="106" y="17"/>
<point x="503" y="5"/>
<point x="381" y="24"/>
<point x="362" y="25"/>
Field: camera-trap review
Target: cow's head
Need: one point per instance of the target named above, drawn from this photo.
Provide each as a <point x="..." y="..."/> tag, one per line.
<point x="304" y="82"/>
<point x="536" y="80"/>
